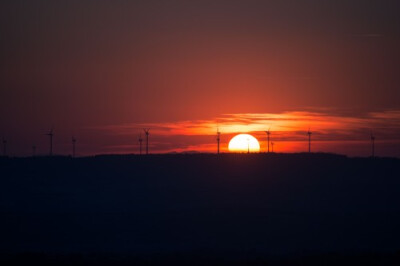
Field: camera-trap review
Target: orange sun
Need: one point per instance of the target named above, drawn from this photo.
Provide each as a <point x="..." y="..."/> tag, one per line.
<point x="244" y="143"/>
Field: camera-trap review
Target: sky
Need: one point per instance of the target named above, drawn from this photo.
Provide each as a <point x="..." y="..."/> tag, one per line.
<point x="102" y="70"/>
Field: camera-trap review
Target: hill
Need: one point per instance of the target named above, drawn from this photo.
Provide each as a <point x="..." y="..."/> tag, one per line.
<point x="232" y="206"/>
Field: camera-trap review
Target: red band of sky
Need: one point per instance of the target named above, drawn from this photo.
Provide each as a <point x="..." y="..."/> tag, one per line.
<point x="331" y="133"/>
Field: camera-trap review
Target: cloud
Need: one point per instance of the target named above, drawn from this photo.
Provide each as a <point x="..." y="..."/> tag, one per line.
<point x="288" y="130"/>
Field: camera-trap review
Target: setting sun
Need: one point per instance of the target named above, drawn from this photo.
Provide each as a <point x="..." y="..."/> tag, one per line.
<point x="244" y="143"/>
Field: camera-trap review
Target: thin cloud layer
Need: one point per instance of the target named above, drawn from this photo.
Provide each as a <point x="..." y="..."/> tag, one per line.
<point x="331" y="133"/>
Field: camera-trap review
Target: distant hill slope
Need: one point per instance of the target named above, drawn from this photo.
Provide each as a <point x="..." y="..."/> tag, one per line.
<point x="227" y="204"/>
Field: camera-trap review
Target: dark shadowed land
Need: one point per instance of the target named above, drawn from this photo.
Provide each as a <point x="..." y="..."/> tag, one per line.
<point x="200" y="209"/>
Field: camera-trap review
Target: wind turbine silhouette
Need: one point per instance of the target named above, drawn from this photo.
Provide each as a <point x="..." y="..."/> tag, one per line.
<point x="146" y="131"/>
<point x="73" y="146"/>
<point x="272" y="146"/>
<point x="373" y="144"/>
<point x="51" y="134"/>
<point x="268" y="133"/>
<point x="140" y="143"/>
<point x="218" y="139"/>
<point x="309" y="140"/>
<point x="4" y="147"/>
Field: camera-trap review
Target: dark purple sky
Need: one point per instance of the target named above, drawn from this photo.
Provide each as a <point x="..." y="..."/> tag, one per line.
<point x="84" y="64"/>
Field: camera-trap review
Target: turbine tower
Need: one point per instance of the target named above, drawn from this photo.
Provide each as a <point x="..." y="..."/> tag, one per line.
<point x="140" y="143"/>
<point x="272" y="146"/>
<point x="218" y="140"/>
<point x="309" y="140"/>
<point x="373" y="144"/>
<point x="73" y="146"/>
<point x="4" y="147"/>
<point x="50" y="134"/>
<point x="146" y="131"/>
<point x="268" y="133"/>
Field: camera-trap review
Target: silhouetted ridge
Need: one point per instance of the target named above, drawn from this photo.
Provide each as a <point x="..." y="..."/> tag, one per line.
<point x="227" y="205"/>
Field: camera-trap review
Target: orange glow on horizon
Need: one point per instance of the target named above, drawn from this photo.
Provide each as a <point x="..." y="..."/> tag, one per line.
<point x="331" y="132"/>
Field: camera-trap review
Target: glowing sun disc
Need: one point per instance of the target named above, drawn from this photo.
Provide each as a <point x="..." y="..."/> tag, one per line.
<point x="244" y="143"/>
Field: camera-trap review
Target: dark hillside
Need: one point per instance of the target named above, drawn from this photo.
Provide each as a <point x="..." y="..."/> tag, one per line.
<point x="231" y="205"/>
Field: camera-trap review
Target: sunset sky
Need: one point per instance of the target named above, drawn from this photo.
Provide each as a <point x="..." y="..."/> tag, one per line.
<point x="102" y="70"/>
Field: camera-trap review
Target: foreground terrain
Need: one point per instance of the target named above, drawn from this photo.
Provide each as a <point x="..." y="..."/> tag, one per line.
<point x="200" y="207"/>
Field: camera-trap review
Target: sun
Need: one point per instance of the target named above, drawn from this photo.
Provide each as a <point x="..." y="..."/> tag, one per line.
<point x="244" y="143"/>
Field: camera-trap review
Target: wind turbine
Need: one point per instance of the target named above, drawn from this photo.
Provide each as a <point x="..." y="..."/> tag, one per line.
<point x="4" y="147"/>
<point x="309" y="139"/>
<point x="51" y="134"/>
<point x="73" y="146"/>
<point x="218" y="139"/>
<point x="272" y="145"/>
<point x="268" y="133"/>
<point x="146" y="131"/>
<point x="140" y="143"/>
<point x="373" y="144"/>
